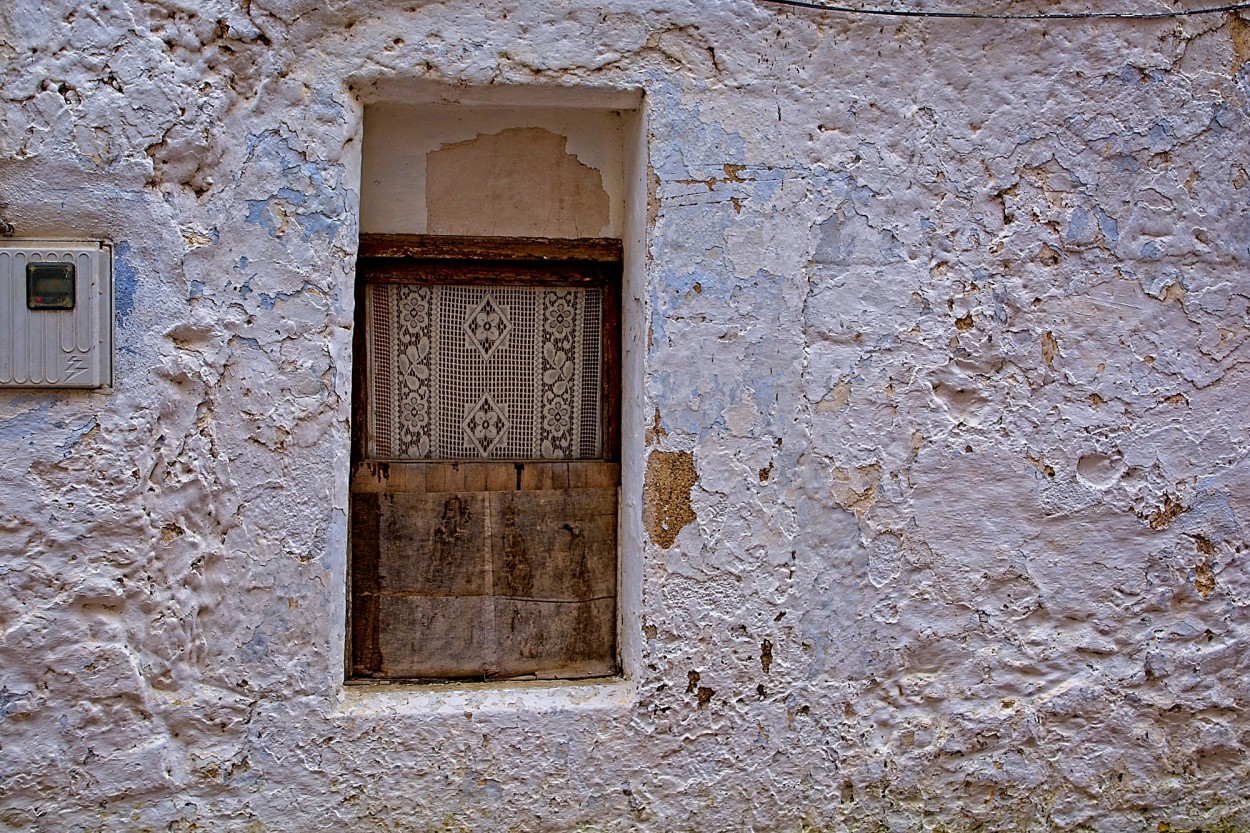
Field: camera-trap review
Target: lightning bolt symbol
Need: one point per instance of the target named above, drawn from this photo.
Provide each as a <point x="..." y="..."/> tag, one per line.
<point x="74" y="366"/>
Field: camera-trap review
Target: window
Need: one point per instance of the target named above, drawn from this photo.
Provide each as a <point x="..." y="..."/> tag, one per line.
<point x="485" y="470"/>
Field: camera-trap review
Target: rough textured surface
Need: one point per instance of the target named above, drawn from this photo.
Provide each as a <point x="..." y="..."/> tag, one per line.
<point x="951" y="317"/>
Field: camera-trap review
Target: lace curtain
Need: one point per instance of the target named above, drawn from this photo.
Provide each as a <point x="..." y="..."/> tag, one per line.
<point x="475" y="372"/>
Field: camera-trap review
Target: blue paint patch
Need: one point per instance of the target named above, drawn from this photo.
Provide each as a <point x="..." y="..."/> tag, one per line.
<point x="311" y="199"/>
<point x="1108" y="226"/>
<point x="833" y="186"/>
<point x="1153" y="250"/>
<point x="861" y="196"/>
<point x="196" y="290"/>
<point x="1224" y="117"/>
<point x="704" y="150"/>
<point x="258" y="215"/>
<point x="242" y="267"/>
<point x="326" y="109"/>
<point x="268" y="301"/>
<point x="1080" y="227"/>
<point x="25" y="425"/>
<point x="1125" y="164"/>
<point x="257" y="648"/>
<point x="254" y="140"/>
<point x="125" y="282"/>
<point x="1000" y="305"/>
<point x="768" y="182"/>
<point x="292" y="196"/>
<point x="314" y="224"/>
<point x="321" y="214"/>
<point x="1160" y="135"/>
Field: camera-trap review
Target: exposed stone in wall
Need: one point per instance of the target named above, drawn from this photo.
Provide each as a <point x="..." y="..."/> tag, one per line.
<point x="972" y="294"/>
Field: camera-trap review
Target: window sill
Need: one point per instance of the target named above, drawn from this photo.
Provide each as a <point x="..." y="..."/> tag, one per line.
<point x="613" y="694"/>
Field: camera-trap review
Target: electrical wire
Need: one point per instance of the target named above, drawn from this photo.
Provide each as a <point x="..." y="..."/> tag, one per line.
<point x="1229" y="7"/>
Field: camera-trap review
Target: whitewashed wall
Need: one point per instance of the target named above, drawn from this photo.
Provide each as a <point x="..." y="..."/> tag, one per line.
<point x="948" y="316"/>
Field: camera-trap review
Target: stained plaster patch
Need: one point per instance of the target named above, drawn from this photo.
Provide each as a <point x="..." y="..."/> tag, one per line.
<point x="520" y="181"/>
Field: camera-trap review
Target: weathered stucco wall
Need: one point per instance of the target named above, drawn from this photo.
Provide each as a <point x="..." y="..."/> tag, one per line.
<point x="945" y="320"/>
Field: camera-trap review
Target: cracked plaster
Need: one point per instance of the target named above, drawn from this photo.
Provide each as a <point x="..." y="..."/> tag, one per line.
<point x="950" y="317"/>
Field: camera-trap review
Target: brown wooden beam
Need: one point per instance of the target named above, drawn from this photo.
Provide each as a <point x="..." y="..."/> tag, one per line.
<point x="482" y="272"/>
<point x="449" y="247"/>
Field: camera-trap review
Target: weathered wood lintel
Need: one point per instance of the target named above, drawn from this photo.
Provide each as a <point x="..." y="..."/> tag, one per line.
<point x="448" y="247"/>
<point x="477" y="272"/>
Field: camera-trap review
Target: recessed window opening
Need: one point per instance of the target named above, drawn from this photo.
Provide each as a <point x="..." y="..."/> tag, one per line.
<point x="486" y="415"/>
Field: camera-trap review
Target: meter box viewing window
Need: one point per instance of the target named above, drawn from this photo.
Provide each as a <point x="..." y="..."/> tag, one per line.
<point x="56" y="314"/>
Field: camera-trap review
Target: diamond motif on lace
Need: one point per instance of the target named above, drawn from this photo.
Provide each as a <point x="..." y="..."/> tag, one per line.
<point x="485" y="425"/>
<point x="487" y="326"/>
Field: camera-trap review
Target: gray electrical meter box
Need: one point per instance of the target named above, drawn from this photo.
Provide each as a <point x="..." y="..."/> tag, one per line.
<point x="56" y="314"/>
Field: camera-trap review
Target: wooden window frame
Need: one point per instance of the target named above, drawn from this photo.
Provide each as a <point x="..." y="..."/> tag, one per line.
<point x="451" y="260"/>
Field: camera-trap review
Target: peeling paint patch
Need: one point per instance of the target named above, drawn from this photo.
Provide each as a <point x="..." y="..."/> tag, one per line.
<point x="1050" y="348"/>
<point x="1204" y="579"/>
<point x="666" y="495"/>
<point x="656" y="431"/>
<point x="1239" y="32"/>
<point x="1168" y="511"/>
<point x="856" y="489"/>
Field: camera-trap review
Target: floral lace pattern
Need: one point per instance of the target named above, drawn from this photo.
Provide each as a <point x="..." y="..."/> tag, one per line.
<point x="473" y="372"/>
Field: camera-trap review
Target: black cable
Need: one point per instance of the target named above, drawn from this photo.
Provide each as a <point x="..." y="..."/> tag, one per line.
<point x="1230" y="7"/>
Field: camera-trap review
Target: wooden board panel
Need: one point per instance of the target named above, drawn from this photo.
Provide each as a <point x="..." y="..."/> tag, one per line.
<point x="366" y="657"/>
<point x="484" y="584"/>
<point x="503" y="477"/>
<point x="594" y="475"/>
<point x="554" y="546"/>
<point x="436" y="637"/>
<point x="555" y="639"/>
<point x="538" y="476"/>
<point x="434" y="544"/>
<point x="484" y="638"/>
